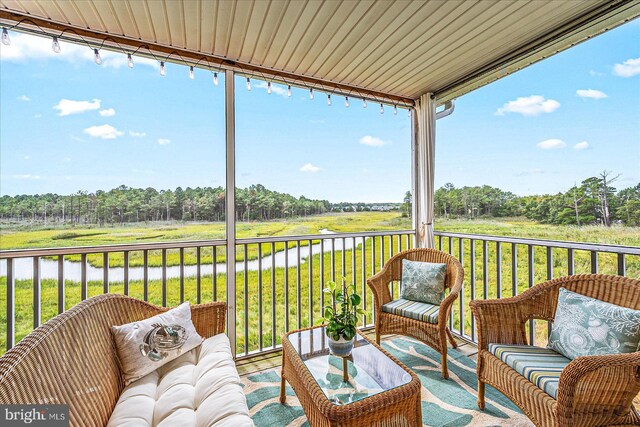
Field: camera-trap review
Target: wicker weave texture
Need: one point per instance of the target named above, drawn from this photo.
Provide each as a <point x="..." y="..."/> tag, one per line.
<point x="593" y="390"/>
<point x="434" y="335"/>
<point x="398" y="407"/>
<point x="72" y="359"/>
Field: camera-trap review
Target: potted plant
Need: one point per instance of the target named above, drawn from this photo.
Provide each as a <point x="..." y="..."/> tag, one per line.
<point x="341" y="317"/>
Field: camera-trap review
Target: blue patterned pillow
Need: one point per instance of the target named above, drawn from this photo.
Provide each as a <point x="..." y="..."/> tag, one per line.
<point x="423" y="281"/>
<point x="586" y="326"/>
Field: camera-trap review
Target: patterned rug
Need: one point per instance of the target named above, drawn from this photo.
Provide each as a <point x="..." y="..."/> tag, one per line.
<point x="449" y="402"/>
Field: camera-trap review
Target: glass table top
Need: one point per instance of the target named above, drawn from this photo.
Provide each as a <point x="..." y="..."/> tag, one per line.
<point x="370" y="371"/>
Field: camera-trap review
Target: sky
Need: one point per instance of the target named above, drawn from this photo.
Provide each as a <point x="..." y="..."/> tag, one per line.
<point x="67" y="124"/>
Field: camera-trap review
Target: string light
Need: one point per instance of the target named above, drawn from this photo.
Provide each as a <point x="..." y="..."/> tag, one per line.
<point x="163" y="71"/>
<point x="5" y="37"/>
<point x="311" y="93"/>
<point x="96" y="56"/>
<point x="346" y="101"/>
<point x="364" y="103"/>
<point x="269" y="87"/>
<point x="192" y="74"/>
<point x="248" y="83"/>
<point x="381" y="108"/>
<point x="395" y="110"/>
<point x="215" y="79"/>
<point x="409" y="112"/>
<point x="129" y="60"/>
<point x="329" y="99"/>
<point x="55" y="45"/>
<point x="289" y="91"/>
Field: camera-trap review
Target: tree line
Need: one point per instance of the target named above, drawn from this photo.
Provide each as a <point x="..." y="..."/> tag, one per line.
<point x="125" y="204"/>
<point x="594" y="201"/>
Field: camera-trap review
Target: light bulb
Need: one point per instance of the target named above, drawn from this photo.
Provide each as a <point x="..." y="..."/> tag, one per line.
<point x="248" y="83"/>
<point x="192" y="74"/>
<point x="310" y="93"/>
<point x="96" y="56"/>
<point x="346" y="101"/>
<point x="55" y="45"/>
<point x="163" y="71"/>
<point x="129" y="60"/>
<point x="268" y="87"/>
<point x="329" y="99"/>
<point x="409" y="112"/>
<point x="381" y="109"/>
<point x="395" y="110"/>
<point x="364" y="103"/>
<point x="5" y="37"/>
<point x="215" y="79"/>
<point x="289" y="91"/>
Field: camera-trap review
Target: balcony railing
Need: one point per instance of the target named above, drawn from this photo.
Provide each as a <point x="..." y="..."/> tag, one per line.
<point x="279" y="280"/>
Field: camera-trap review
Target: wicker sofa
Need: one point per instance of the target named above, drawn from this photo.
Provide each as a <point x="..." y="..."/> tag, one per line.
<point x="430" y="324"/>
<point x="72" y="360"/>
<point x="589" y="390"/>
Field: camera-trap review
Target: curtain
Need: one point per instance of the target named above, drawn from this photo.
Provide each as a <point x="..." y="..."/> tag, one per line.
<point x="425" y="166"/>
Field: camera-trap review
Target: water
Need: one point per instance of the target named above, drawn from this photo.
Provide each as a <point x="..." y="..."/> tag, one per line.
<point x="23" y="267"/>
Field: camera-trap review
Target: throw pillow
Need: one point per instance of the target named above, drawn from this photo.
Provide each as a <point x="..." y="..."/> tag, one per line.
<point x="146" y="345"/>
<point x="423" y="281"/>
<point x="585" y="326"/>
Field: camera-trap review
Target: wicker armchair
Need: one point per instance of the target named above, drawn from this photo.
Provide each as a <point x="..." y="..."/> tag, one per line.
<point x="592" y="390"/>
<point x="72" y="358"/>
<point x="434" y="335"/>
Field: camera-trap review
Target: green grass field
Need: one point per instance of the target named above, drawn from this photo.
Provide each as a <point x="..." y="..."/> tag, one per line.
<point x="302" y="286"/>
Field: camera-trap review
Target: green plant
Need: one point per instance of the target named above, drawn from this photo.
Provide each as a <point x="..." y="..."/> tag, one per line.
<point x="341" y="316"/>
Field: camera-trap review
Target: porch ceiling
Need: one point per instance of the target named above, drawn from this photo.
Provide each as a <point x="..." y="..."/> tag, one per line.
<point x="397" y="48"/>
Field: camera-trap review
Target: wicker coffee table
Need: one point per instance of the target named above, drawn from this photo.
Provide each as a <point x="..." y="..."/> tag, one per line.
<point x="379" y="389"/>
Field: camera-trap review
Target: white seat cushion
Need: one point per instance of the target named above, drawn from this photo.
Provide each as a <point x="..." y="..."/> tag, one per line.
<point x="201" y="388"/>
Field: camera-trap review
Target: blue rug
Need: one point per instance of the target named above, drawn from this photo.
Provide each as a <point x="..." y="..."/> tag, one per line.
<point x="449" y="402"/>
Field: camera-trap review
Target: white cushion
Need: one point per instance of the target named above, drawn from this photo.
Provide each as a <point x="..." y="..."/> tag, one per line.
<point x="199" y="388"/>
<point x="129" y="337"/>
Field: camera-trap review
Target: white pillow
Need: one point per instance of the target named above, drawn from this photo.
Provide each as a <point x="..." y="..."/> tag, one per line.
<point x="130" y="342"/>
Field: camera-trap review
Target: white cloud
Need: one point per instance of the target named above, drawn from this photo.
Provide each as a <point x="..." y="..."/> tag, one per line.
<point x="25" y="47"/>
<point x="535" y="171"/>
<point x="66" y="106"/>
<point x="582" y="145"/>
<point x="103" y="132"/>
<point x="137" y="134"/>
<point x="277" y="89"/>
<point x="373" y="141"/>
<point x="629" y="68"/>
<point x="37" y="116"/>
<point x="26" y="176"/>
<point x="591" y="93"/>
<point x="594" y="73"/>
<point x="164" y="141"/>
<point x="24" y="98"/>
<point x="108" y="112"/>
<point x="533" y="105"/>
<point x="310" y="168"/>
<point x="551" y="144"/>
<point x="26" y="157"/>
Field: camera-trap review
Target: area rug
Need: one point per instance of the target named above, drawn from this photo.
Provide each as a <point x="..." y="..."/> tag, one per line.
<point x="449" y="402"/>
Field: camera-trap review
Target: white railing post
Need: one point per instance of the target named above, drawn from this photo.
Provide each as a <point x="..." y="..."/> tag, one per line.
<point x="230" y="201"/>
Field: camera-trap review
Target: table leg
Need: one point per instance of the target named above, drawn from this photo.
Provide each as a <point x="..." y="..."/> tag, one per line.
<point x="345" y="373"/>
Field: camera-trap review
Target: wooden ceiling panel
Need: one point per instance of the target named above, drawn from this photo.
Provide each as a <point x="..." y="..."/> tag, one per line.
<point x="396" y="49"/>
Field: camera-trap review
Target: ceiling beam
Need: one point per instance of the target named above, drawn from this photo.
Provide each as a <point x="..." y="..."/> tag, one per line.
<point x="76" y="34"/>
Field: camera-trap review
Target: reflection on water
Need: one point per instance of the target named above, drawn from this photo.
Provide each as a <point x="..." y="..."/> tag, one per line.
<point x="23" y="267"/>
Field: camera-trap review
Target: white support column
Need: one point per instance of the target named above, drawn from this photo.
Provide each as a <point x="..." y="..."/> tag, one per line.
<point x="230" y="205"/>
<point x="424" y="126"/>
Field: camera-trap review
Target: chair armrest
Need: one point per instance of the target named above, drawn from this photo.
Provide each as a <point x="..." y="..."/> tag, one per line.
<point x="598" y="384"/>
<point x="379" y="284"/>
<point x="209" y="319"/>
<point x="499" y="321"/>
